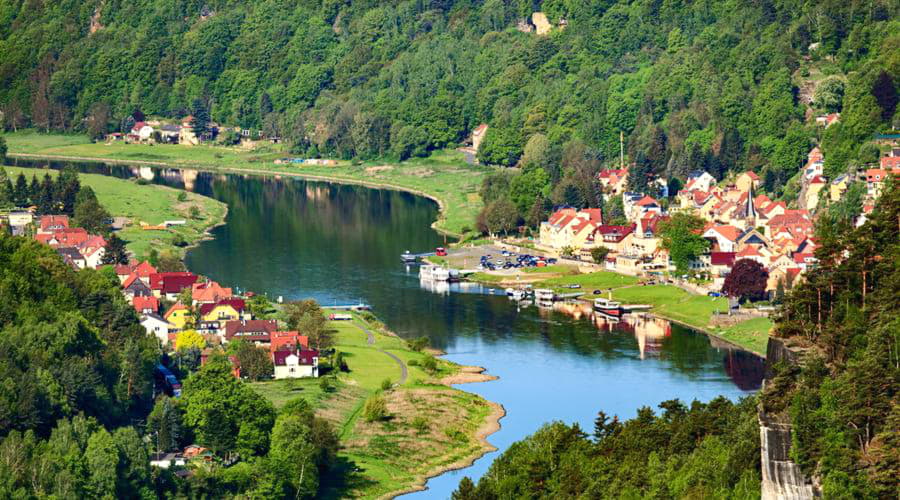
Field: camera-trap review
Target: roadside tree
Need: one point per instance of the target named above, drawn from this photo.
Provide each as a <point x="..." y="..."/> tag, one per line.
<point x="746" y="281"/>
<point x="680" y="236"/>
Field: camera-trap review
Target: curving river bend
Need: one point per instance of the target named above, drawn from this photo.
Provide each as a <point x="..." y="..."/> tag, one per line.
<point x="341" y="244"/>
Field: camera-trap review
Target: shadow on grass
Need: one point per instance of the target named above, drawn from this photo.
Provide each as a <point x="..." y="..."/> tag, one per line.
<point x="344" y="478"/>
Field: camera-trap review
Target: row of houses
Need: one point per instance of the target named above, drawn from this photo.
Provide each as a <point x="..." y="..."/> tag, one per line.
<point x="149" y="132"/>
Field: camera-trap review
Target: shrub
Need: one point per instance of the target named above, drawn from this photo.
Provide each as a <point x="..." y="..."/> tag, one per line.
<point x="429" y="364"/>
<point x="326" y="384"/>
<point x="386" y="384"/>
<point x="182" y="196"/>
<point x="419" y="343"/>
<point x="375" y="409"/>
<point x="413" y="362"/>
<point x="420" y="424"/>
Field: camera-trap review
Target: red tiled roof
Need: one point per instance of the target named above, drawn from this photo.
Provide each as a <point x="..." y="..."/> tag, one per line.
<point x="752" y="175"/>
<point x="48" y="221"/>
<point x="721" y="258"/>
<point x="891" y="162"/>
<point x="288" y="338"/>
<point x="305" y="357"/>
<point x="209" y="292"/>
<point x="730" y="233"/>
<point x="800" y="258"/>
<point x="749" y="251"/>
<point x="594" y="214"/>
<point x="612" y="172"/>
<point x="142" y="303"/>
<point x="237" y="304"/>
<point x="253" y="330"/>
<point x="159" y="281"/>
<point x="817" y="180"/>
<point x="129" y="280"/>
<point x="618" y="232"/>
<point x="645" y="201"/>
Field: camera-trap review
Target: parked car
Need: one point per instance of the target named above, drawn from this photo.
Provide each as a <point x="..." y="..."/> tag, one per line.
<point x="598" y="292"/>
<point x="552" y="261"/>
<point x="714" y="294"/>
<point x="440" y="252"/>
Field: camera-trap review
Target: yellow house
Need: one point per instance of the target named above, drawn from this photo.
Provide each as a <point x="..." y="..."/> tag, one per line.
<point x="839" y="186"/>
<point x="747" y="180"/>
<point x="222" y="311"/>
<point x="178" y="315"/>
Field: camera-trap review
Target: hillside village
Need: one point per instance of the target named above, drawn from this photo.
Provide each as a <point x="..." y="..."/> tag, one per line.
<point x="171" y="304"/>
<point x="740" y="222"/>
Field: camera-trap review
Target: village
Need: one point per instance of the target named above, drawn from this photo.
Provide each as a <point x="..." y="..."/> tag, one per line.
<point x="739" y="223"/>
<point x="173" y="304"/>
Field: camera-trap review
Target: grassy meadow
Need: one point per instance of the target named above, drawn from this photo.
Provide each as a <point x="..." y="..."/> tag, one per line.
<point x="148" y="203"/>
<point x="444" y="175"/>
<point x="429" y="427"/>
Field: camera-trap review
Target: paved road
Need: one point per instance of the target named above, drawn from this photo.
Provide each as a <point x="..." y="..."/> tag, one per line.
<point x="370" y="339"/>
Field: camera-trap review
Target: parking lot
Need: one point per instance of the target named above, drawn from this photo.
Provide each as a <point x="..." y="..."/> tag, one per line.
<point x="489" y="257"/>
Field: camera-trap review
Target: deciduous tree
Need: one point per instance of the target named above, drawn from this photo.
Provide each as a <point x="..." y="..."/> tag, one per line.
<point x="746" y="280"/>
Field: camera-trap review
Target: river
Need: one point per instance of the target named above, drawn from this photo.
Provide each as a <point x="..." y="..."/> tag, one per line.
<point x="341" y="244"/>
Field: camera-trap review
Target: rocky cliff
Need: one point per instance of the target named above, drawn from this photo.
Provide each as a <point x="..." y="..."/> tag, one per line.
<point x="781" y="477"/>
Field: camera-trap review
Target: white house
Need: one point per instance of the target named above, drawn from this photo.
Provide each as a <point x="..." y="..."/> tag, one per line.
<point x="158" y="326"/>
<point x="699" y="180"/>
<point x="296" y="364"/>
<point x="166" y="460"/>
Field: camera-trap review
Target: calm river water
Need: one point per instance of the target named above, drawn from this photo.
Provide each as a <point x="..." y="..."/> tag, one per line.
<point x="341" y="244"/>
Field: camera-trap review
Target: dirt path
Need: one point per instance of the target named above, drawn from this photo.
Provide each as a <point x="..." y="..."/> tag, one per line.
<point x="370" y="340"/>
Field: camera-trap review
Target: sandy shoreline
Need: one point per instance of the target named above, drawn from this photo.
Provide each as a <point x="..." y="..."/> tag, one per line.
<point x="468" y="375"/>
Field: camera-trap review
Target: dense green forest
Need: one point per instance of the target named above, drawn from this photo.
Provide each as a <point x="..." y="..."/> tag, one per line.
<point x="78" y="418"/>
<point x="691" y="84"/>
<point x="841" y="399"/>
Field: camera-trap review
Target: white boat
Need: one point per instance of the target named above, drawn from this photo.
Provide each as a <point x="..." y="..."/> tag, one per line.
<point x="510" y="291"/>
<point x="607" y="306"/>
<point x="517" y="295"/>
<point x="426" y="272"/>
<point x="544" y="295"/>
<point x="408" y="257"/>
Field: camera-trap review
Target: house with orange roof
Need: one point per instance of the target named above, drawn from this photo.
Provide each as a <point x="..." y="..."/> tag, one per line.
<point x="643" y="207"/>
<point x="209" y="292"/>
<point x="93" y="250"/>
<point x="723" y="237"/>
<point x="876" y="177"/>
<point x="282" y="340"/>
<point x="614" y="181"/>
<point x="133" y="286"/>
<point x="569" y="227"/>
<point x="813" y="188"/>
<point x="53" y="223"/>
<point x="145" y="304"/>
<point x="753" y="253"/>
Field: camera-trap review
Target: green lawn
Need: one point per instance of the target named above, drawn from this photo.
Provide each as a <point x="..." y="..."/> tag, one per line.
<point x="589" y="281"/>
<point x="551" y="269"/>
<point x="444" y="175"/>
<point x="674" y="303"/>
<point x="148" y="203"/>
<point x="752" y="334"/>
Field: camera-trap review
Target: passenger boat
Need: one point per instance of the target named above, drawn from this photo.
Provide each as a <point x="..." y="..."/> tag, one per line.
<point x="408" y="257"/>
<point x="544" y="295"/>
<point x="608" y="306"/>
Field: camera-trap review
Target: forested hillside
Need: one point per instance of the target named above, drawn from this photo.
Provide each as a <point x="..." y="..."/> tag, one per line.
<point x="840" y="396"/>
<point x="691" y="84"/>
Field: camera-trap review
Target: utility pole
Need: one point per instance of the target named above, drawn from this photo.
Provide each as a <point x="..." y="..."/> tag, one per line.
<point x="621" y="149"/>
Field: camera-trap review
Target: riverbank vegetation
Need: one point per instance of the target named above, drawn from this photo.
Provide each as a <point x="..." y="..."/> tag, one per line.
<point x="150" y="204"/>
<point x="836" y="385"/>
<point x="420" y="428"/>
<point x="443" y="176"/>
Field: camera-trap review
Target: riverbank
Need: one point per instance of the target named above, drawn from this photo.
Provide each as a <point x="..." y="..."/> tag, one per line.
<point x="151" y="204"/>
<point x="444" y="177"/>
<point x="430" y="426"/>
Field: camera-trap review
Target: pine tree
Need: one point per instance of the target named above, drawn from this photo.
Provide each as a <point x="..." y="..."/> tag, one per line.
<point x="200" y="125"/>
<point x="115" y="251"/>
<point x="45" y="197"/>
<point x="20" y="194"/>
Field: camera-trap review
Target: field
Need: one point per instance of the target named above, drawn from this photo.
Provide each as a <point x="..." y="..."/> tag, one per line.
<point x="151" y="204"/>
<point x="429" y="426"/>
<point x="443" y="176"/>
<point x="588" y="281"/>
<point x="752" y="334"/>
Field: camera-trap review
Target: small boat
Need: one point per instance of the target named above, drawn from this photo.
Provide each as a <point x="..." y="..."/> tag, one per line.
<point x="517" y="295"/>
<point x="408" y="257"/>
<point x="510" y="291"/>
<point x="608" y="306"/>
<point x="544" y="295"/>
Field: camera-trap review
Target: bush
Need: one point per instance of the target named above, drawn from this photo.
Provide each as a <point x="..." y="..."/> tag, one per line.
<point x="413" y="362"/>
<point x="599" y="254"/>
<point x="429" y="364"/>
<point x="420" y="424"/>
<point x="142" y="182"/>
<point x="326" y="384"/>
<point x="194" y="212"/>
<point x="182" y="196"/>
<point x="386" y="384"/>
<point x="419" y="343"/>
<point x="375" y="409"/>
